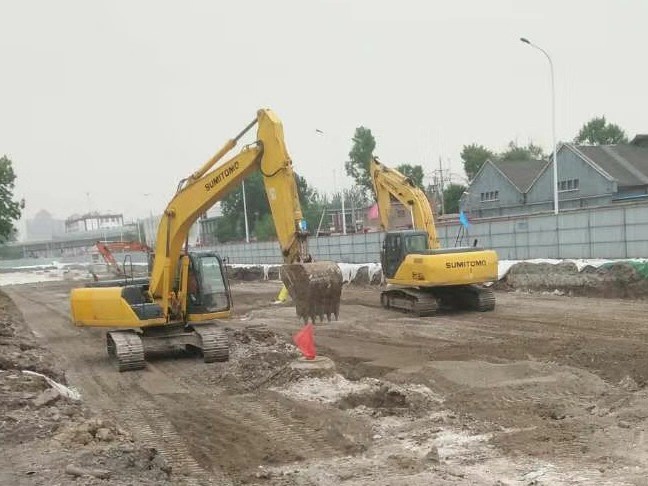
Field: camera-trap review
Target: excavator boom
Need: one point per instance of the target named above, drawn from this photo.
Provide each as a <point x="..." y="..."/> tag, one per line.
<point x="213" y="181"/>
<point x="390" y="183"/>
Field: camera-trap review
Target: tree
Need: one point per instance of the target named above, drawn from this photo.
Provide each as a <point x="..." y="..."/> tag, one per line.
<point x="255" y="199"/>
<point x="473" y="157"/>
<point x="231" y="226"/>
<point x="414" y="172"/>
<point x="312" y="211"/>
<point x="9" y="209"/>
<point x="521" y="152"/>
<point x="264" y="228"/>
<point x="451" y="196"/>
<point x="227" y="229"/>
<point x="598" y="131"/>
<point x="360" y="156"/>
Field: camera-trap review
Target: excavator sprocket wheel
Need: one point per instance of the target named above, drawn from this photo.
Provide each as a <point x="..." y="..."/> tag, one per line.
<point x="214" y="342"/>
<point x="315" y="288"/>
<point x="127" y="349"/>
<point x="485" y="300"/>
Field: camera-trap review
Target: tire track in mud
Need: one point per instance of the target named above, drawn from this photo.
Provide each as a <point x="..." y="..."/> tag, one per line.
<point x="259" y="413"/>
<point x="111" y="392"/>
<point x="259" y="422"/>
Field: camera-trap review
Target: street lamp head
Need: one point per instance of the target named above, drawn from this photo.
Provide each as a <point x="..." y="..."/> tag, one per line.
<point x="525" y="40"/>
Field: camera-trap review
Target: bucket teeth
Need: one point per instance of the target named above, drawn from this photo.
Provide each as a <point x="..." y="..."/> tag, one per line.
<point x="315" y="288"/>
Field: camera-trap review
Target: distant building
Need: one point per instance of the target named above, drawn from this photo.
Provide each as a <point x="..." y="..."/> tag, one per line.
<point x="92" y="222"/>
<point x="43" y="227"/>
<point x="208" y="222"/>
<point x="588" y="175"/>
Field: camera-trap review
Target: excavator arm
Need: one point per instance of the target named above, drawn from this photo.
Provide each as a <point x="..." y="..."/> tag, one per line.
<point x="389" y="183"/>
<point x="212" y="182"/>
<point x="106" y="249"/>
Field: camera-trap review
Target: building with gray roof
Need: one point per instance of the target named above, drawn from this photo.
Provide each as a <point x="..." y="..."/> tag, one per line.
<point x="588" y="175"/>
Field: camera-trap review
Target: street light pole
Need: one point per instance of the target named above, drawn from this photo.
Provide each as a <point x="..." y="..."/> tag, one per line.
<point x="247" y="229"/>
<point x="344" y="230"/>
<point x="553" y="121"/>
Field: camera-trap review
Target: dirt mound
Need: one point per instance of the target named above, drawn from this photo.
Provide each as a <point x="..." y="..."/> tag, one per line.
<point x="368" y="396"/>
<point x="616" y="280"/>
<point x="18" y="348"/>
<point x="259" y="358"/>
<point x="355" y="274"/>
<point x="385" y="399"/>
<point x="50" y="437"/>
<point x="388" y="399"/>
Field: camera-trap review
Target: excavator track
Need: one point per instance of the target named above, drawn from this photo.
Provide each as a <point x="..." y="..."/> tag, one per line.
<point x="127" y="349"/>
<point x="425" y="302"/>
<point x="485" y="300"/>
<point x="213" y="342"/>
<point x="469" y="297"/>
<point x="415" y="301"/>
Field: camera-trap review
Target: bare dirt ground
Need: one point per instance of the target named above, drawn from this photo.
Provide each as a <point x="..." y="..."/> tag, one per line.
<point x="544" y="390"/>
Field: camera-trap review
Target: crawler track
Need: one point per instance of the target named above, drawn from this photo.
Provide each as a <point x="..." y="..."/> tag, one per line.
<point x="127" y="349"/>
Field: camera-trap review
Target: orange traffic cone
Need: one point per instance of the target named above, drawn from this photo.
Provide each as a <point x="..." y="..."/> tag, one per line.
<point x="305" y="341"/>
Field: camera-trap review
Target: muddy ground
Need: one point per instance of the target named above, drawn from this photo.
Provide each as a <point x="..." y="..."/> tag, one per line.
<point x="544" y="390"/>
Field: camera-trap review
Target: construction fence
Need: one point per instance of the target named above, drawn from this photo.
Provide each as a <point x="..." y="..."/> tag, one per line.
<point x="619" y="231"/>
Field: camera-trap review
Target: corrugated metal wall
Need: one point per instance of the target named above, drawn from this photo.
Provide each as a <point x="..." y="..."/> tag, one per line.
<point x="610" y="232"/>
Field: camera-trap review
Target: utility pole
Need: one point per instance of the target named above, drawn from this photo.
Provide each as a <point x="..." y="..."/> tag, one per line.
<point x="441" y="185"/>
<point x="247" y="228"/>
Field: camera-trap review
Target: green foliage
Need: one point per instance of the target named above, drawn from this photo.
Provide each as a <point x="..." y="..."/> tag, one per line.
<point x="228" y="229"/>
<point x="598" y="131"/>
<point x="231" y="226"/>
<point x="360" y="156"/>
<point x="473" y="157"/>
<point x="264" y="228"/>
<point x="414" y="172"/>
<point x="522" y="152"/>
<point x="306" y="193"/>
<point x="255" y="199"/>
<point x="9" y="209"/>
<point x="312" y="209"/>
<point x="451" y="196"/>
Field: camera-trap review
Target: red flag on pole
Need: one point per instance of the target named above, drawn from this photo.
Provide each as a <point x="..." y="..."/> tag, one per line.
<point x="373" y="212"/>
<point x="305" y="341"/>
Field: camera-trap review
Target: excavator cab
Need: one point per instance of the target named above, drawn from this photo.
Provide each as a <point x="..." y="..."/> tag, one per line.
<point x="207" y="287"/>
<point x="397" y="245"/>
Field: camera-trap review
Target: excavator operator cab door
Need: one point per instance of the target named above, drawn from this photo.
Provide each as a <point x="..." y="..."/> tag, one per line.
<point x="207" y="287"/>
<point x="397" y="245"/>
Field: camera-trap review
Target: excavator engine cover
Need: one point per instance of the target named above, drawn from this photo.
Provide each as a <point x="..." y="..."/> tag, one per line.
<point x="315" y="288"/>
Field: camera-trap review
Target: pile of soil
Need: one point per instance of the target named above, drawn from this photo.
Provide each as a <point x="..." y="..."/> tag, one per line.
<point x="258" y="358"/>
<point x="619" y="280"/>
<point x="271" y="272"/>
<point x="48" y="437"/>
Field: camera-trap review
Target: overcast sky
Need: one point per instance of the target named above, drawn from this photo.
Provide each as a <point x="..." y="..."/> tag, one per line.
<point x="102" y="103"/>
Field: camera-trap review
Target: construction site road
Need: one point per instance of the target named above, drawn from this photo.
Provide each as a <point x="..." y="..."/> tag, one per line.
<point x="545" y="389"/>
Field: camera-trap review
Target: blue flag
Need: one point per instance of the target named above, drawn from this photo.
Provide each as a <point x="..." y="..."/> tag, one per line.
<point x="463" y="219"/>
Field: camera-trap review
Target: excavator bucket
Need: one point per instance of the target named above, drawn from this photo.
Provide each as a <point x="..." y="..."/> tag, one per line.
<point x="315" y="288"/>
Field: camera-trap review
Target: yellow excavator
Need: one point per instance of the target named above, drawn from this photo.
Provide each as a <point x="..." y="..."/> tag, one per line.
<point x="186" y="293"/>
<point x="421" y="276"/>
